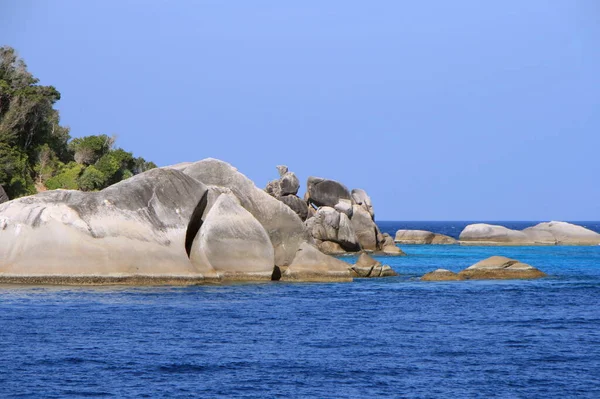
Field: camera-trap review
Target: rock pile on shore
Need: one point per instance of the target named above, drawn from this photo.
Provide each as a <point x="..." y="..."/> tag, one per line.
<point x="339" y="220"/>
<point x="184" y="224"/>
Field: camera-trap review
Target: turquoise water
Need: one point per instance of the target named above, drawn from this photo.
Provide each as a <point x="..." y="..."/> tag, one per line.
<point x="393" y="337"/>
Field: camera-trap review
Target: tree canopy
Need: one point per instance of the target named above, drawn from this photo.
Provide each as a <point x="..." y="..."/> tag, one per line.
<point x="37" y="153"/>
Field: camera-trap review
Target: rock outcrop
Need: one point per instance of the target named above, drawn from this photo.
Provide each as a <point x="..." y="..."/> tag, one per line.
<point x="441" y="275"/>
<point x="235" y="244"/>
<point x="330" y="225"/>
<point x="500" y="267"/>
<point x="366" y="266"/>
<point x="136" y="231"/>
<point x="365" y="228"/>
<point x="562" y="233"/>
<point x="489" y="234"/>
<point x="3" y="196"/>
<point x="282" y="224"/>
<point x="388" y="246"/>
<point x="338" y="221"/>
<point x="422" y="237"/>
<point x="325" y="192"/>
<point x="286" y="189"/>
<point x="310" y="264"/>
<point x="550" y="233"/>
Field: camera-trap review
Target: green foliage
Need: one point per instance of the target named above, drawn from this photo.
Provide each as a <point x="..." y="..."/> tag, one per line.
<point x="109" y="166"/>
<point x="67" y="177"/>
<point x="34" y="147"/>
<point x="91" y="179"/>
<point x="15" y="175"/>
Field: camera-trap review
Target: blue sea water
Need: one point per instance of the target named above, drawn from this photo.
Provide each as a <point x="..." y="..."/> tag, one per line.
<point x="395" y="337"/>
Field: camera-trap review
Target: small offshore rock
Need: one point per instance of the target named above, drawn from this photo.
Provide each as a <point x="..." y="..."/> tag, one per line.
<point x="501" y="267"/>
<point x="441" y="275"/>
<point x="422" y="237"/>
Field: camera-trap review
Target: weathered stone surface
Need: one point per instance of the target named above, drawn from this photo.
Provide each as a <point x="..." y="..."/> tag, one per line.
<point x="324" y="192"/>
<point x="331" y="248"/>
<point x="422" y="237"/>
<point x="489" y="234"/>
<point x="366" y="266"/>
<point x="549" y="233"/>
<point x="562" y="233"/>
<point x="344" y="206"/>
<point x="289" y="184"/>
<point x="500" y="267"/>
<point x="282" y="169"/>
<point x="311" y="212"/>
<point x="283" y="225"/>
<point x="137" y="230"/>
<point x="235" y="244"/>
<point x="310" y="264"/>
<point x="296" y="204"/>
<point x="364" y="260"/>
<point x="330" y="225"/>
<point x="3" y="196"/>
<point x="360" y="197"/>
<point x="274" y="188"/>
<point x="365" y="228"/>
<point x="441" y="275"/>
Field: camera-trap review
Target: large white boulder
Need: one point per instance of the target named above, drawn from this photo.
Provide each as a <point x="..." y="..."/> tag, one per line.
<point x="490" y="234"/>
<point x="136" y="231"/>
<point x="562" y="233"/>
<point x="235" y="244"/>
<point x="284" y="227"/>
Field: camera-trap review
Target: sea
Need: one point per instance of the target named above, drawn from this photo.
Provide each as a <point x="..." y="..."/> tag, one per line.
<point x="394" y="337"/>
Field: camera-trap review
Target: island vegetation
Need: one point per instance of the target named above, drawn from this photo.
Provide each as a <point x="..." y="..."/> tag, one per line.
<point x="37" y="153"/>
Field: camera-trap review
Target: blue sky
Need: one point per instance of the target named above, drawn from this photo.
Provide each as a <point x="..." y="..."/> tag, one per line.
<point x="462" y="110"/>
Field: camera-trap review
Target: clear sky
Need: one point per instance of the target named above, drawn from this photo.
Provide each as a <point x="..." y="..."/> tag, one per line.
<point x="441" y="110"/>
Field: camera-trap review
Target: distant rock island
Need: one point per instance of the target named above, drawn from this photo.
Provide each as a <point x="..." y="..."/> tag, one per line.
<point x="548" y="233"/>
<point x="191" y="223"/>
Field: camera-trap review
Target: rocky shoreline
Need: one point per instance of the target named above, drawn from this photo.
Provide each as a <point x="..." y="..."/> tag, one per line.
<point x="191" y="223"/>
<point x="206" y="223"/>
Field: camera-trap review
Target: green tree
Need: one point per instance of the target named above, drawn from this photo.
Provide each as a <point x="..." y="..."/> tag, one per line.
<point x="15" y="175"/>
<point x="67" y="178"/>
<point x="35" y="147"/>
<point x="91" y="179"/>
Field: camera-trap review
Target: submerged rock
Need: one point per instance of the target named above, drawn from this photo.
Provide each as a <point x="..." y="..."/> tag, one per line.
<point x="422" y="237"/>
<point x="500" y="267"/>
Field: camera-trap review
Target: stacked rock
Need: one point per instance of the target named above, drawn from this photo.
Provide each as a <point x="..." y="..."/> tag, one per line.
<point x="286" y="189"/>
<point x="339" y="220"/>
